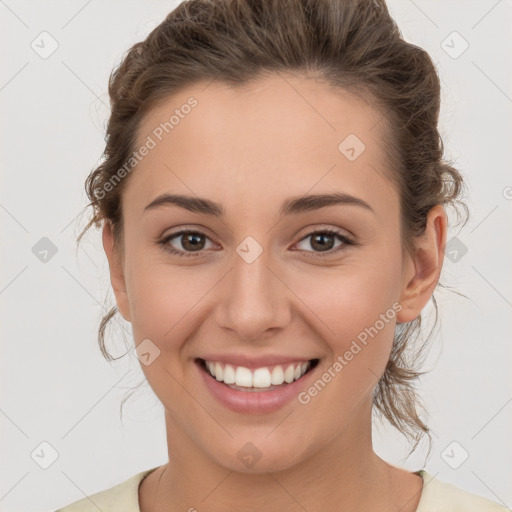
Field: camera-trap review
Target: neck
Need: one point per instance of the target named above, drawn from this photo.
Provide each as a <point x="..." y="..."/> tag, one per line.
<point x="344" y="474"/>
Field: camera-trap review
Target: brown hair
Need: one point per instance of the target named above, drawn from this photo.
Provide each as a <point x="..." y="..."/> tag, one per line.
<point x="354" y="45"/>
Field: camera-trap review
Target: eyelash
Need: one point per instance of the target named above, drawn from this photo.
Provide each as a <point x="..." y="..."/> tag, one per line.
<point x="345" y="246"/>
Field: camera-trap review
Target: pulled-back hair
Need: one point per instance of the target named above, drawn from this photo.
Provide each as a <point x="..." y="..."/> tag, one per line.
<point x="355" y="46"/>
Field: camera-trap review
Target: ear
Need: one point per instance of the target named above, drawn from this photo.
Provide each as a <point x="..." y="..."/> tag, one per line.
<point x="424" y="266"/>
<point x="116" y="271"/>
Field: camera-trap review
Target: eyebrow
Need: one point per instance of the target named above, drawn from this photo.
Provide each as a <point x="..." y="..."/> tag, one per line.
<point x="291" y="206"/>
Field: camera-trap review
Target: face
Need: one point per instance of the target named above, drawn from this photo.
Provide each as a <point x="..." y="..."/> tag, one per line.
<point x="266" y="279"/>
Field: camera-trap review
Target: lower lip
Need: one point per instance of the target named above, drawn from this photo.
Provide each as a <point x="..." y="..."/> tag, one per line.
<point x="255" y="402"/>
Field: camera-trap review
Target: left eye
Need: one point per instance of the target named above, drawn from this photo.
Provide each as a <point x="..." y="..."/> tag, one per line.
<point x="323" y="241"/>
<point x="193" y="242"/>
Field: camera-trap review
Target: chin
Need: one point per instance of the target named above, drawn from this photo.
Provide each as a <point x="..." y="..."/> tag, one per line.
<point x="260" y="455"/>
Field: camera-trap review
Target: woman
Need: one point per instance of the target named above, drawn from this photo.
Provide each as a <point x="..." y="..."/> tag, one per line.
<point x="273" y="210"/>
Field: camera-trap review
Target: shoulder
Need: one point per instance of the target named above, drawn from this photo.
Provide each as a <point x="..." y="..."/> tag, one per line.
<point x="123" y="496"/>
<point x="440" y="496"/>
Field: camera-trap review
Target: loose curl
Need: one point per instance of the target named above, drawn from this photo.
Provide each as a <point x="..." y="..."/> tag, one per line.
<point x="355" y="46"/>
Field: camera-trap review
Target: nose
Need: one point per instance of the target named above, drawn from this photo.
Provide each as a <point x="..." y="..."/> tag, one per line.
<point x="254" y="300"/>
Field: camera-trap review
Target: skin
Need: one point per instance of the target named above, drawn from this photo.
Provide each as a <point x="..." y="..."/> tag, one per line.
<point x="249" y="149"/>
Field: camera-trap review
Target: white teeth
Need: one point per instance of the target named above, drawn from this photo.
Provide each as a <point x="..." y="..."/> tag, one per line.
<point x="277" y="377"/>
<point x="289" y="374"/>
<point x="229" y="374"/>
<point x="258" y="378"/>
<point x="243" y="376"/>
<point x="261" y="378"/>
<point x="218" y="371"/>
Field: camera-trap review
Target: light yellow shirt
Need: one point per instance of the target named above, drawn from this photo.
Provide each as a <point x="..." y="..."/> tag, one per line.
<point x="436" y="496"/>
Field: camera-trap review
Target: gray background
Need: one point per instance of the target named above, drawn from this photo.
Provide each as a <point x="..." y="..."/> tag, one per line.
<point x="55" y="385"/>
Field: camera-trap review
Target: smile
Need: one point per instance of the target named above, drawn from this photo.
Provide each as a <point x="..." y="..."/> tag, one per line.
<point x="258" y="379"/>
<point x="265" y="378"/>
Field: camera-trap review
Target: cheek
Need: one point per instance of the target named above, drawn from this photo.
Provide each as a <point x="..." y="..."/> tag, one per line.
<point x="162" y="296"/>
<point x="358" y="326"/>
<point x="349" y="299"/>
<point x="164" y="302"/>
<point x="354" y="308"/>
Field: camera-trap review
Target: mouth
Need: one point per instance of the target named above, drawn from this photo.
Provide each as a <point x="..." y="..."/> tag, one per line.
<point x="257" y="380"/>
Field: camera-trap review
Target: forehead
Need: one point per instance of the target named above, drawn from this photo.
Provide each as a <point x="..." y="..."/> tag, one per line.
<point x="282" y="135"/>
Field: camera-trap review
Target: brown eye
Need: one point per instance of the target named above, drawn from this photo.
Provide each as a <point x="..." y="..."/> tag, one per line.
<point x="192" y="243"/>
<point x="323" y="241"/>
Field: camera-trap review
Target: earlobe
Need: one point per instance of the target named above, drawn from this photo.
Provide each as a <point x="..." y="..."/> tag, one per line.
<point x="117" y="278"/>
<point x="425" y="265"/>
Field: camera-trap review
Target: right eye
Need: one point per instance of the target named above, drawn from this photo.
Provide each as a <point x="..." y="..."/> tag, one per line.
<point x="191" y="243"/>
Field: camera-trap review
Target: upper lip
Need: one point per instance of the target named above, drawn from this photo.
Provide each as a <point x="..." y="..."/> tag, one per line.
<point x="253" y="362"/>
